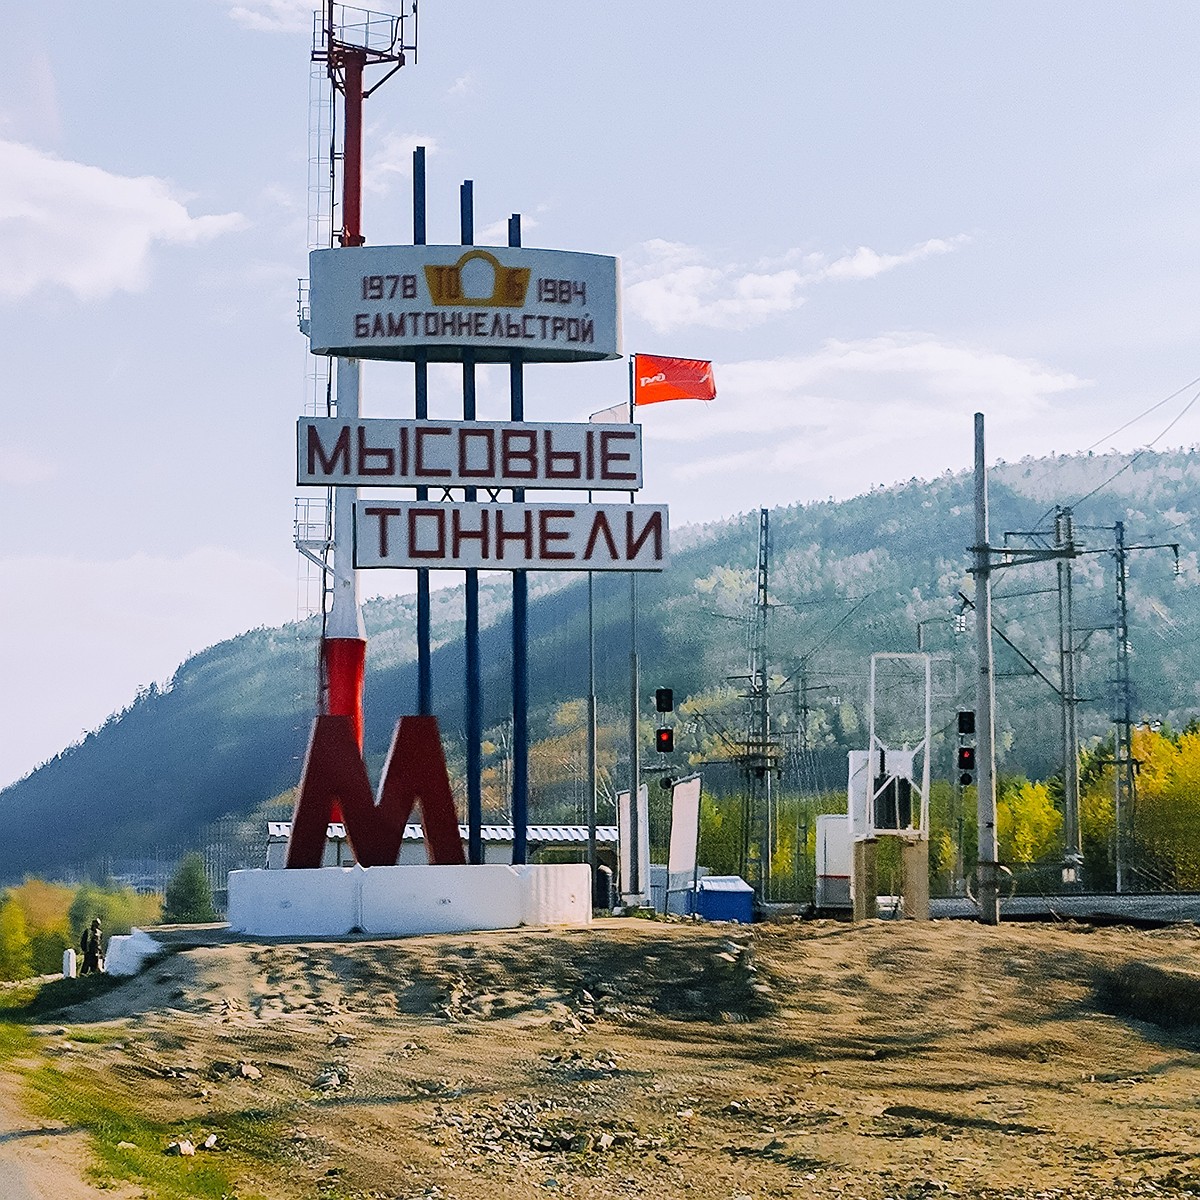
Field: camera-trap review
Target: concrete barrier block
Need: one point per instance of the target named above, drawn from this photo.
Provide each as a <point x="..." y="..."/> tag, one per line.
<point x="317" y="903"/>
<point x="444" y="899"/>
<point x="556" y="894"/>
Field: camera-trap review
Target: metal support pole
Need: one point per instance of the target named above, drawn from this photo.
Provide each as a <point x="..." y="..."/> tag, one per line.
<point x="985" y="701"/>
<point x="421" y="382"/>
<point x="638" y="872"/>
<point x="353" y="62"/>
<point x="1123" y="732"/>
<point x="520" y="626"/>
<point x="474" y="680"/>
<point x="1064" y="537"/>
<point x="590" y="798"/>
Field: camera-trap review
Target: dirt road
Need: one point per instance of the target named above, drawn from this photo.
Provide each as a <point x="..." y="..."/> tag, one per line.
<point x="644" y="1059"/>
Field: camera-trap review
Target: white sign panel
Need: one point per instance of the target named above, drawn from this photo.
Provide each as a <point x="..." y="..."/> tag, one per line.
<point x="510" y="537"/>
<point x="371" y="453"/>
<point x="393" y="301"/>
<point x="631" y="825"/>
<point x="685" y="827"/>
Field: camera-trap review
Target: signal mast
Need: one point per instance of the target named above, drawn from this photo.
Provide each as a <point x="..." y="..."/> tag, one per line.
<point x="350" y="42"/>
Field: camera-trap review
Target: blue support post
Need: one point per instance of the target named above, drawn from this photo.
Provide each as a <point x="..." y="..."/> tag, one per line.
<point x="520" y="626"/>
<point x="421" y="376"/>
<point x="474" y="677"/>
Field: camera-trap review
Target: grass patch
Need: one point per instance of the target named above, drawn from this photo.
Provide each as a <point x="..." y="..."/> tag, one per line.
<point x="58" y="994"/>
<point x="82" y="1100"/>
<point x="91" y="1037"/>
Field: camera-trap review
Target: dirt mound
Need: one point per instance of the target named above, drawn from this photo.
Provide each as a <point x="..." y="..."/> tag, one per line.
<point x="625" y="971"/>
<point x="1163" y="996"/>
<point x="636" y="1059"/>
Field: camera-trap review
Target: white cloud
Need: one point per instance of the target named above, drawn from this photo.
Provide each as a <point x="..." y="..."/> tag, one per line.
<point x="464" y="85"/>
<point x="275" y="16"/>
<point x="889" y="379"/>
<point x="496" y="234"/>
<point x="83" y="635"/>
<point x="66" y="224"/>
<point x="22" y="468"/>
<point x="672" y="285"/>
<point x="866" y="263"/>
<point x="847" y="416"/>
<point x="392" y="160"/>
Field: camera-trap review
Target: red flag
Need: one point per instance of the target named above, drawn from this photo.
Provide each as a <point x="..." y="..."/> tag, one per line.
<point x="656" y="379"/>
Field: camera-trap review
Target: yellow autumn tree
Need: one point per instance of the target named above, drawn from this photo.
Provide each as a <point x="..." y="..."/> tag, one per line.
<point x="1166" y="815"/>
<point x="1027" y="823"/>
<point x="16" y="956"/>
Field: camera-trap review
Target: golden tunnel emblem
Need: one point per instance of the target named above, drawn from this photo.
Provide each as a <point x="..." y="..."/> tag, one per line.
<point x="509" y="284"/>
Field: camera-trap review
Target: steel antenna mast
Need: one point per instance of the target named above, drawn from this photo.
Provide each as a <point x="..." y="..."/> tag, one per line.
<point x="351" y="42"/>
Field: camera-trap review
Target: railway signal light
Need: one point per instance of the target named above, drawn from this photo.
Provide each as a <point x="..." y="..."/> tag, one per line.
<point x="664" y="740"/>
<point x="966" y="723"/>
<point x="966" y="765"/>
<point x="664" y="700"/>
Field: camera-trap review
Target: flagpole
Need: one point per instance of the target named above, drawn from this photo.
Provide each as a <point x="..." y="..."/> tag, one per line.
<point x="634" y="885"/>
<point x="591" y="730"/>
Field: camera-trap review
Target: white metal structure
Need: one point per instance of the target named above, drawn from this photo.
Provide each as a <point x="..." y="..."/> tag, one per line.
<point x="892" y="771"/>
<point x="835" y="861"/>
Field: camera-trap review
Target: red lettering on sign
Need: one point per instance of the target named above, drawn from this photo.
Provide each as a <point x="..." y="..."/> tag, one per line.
<point x="512" y="451"/>
<point x="458" y="534"/>
<point x="488" y="437"/>
<point x="525" y="536"/>
<point x="414" y="773"/>
<point x="546" y="535"/>
<point x="609" y="455"/>
<point x="653" y="527"/>
<point x="438" y="516"/>
<point x="383" y="514"/>
<point x="600" y="527"/>
<point x="403" y="451"/>
<point x="419" y="468"/>
<point x="341" y="450"/>
<point x="570" y="458"/>
<point x="365" y="453"/>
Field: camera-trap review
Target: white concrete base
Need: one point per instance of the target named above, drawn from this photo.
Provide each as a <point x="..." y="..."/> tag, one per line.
<point x="127" y="953"/>
<point x="408" y="899"/>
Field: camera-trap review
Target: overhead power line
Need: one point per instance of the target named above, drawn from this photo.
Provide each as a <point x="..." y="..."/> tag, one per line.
<point x="1145" y="413"/>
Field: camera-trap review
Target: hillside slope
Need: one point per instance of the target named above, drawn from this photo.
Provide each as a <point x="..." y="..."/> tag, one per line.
<point x="847" y="579"/>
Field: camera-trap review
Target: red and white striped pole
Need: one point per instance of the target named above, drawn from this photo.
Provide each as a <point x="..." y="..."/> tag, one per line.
<point x="344" y="644"/>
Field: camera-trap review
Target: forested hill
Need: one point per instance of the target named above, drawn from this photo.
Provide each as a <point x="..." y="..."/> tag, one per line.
<point x="847" y="578"/>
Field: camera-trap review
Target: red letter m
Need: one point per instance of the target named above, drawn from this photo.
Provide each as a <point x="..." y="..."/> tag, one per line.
<point x="415" y="771"/>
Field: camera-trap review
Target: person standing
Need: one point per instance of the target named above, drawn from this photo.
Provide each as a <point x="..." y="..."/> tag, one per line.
<point x="93" y="960"/>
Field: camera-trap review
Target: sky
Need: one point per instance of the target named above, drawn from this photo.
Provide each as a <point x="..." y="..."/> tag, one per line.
<point x="875" y="218"/>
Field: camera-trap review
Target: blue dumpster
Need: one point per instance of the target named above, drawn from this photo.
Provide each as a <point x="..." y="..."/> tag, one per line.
<point x="724" y="898"/>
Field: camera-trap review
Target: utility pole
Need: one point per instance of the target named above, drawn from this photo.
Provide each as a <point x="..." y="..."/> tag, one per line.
<point x="759" y="755"/>
<point x="1064" y="541"/>
<point x="1124" y="764"/>
<point x="985" y="698"/>
<point x="1123" y="717"/>
<point x="759" y="758"/>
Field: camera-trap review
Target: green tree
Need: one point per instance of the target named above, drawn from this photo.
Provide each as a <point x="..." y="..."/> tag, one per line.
<point x="189" y="898"/>
<point x="47" y="946"/>
<point x="16" y="956"/>
<point x="119" y="909"/>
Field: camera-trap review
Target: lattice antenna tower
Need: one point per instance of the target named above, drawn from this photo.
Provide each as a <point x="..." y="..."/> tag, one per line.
<point x="347" y="43"/>
<point x="760" y="753"/>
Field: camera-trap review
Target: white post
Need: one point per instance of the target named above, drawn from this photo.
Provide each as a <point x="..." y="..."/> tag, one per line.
<point x="345" y="617"/>
<point x="985" y="722"/>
